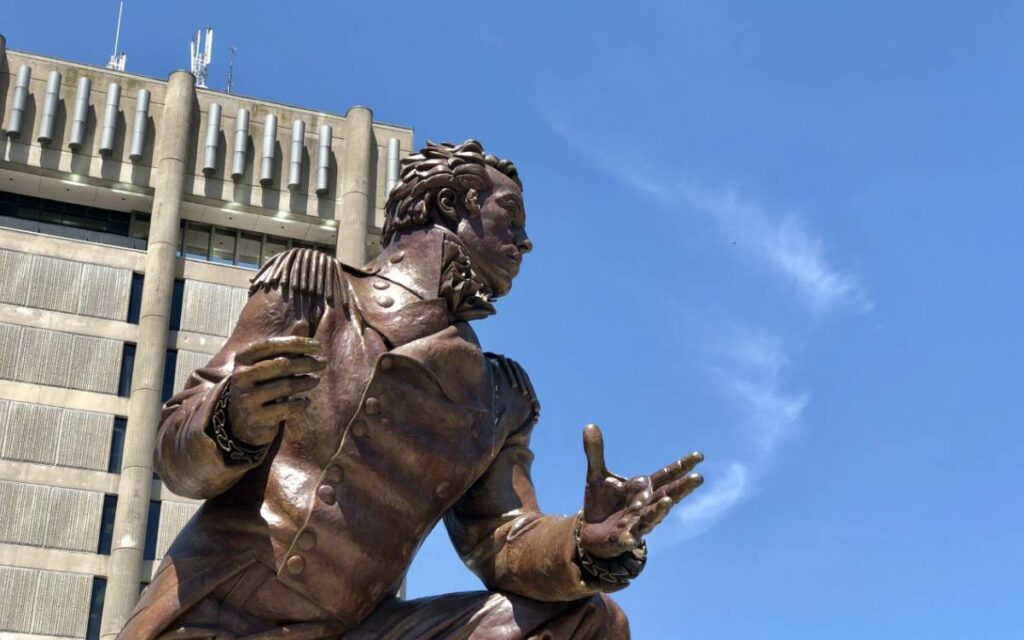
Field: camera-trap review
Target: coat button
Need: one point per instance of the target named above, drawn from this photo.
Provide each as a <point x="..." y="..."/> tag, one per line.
<point x="443" y="489"/>
<point x="335" y="473"/>
<point x="295" y="565"/>
<point x="359" y="428"/>
<point x="385" y="363"/>
<point x="372" y="406"/>
<point x="326" y="493"/>
<point x="385" y="301"/>
<point x="306" y="541"/>
<point x="381" y="285"/>
<point x="398" y="257"/>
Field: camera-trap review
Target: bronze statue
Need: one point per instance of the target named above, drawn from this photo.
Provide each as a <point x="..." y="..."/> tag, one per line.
<point x="351" y="410"/>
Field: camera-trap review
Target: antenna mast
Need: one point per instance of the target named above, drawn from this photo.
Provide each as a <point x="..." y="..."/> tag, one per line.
<point x="231" y="68"/>
<point x="118" y="60"/>
<point x="201" y="52"/>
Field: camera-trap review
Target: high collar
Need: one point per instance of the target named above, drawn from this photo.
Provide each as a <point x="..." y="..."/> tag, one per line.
<point x="433" y="263"/>
<point x="414" y="261"/>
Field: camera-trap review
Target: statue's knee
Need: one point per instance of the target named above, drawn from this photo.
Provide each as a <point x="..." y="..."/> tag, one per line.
<point x="609" y="618"/>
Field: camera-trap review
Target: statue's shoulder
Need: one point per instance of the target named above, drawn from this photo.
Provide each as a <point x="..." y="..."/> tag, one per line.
<point x="303" y="272"/>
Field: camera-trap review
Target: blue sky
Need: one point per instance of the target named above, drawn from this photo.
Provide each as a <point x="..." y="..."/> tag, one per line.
<point x="787" y="234"/>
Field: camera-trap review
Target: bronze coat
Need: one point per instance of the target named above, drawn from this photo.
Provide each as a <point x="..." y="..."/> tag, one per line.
<point x="411" y="423"/>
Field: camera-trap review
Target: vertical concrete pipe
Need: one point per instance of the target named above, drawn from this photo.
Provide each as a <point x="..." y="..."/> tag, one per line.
<point x="212" y="140"/>
<point x="295" y="155"/>
<point x="134" y="488"/>
<point x="394" y="170"/>
<point x="109" y="134"/>
<point x="323" y="160"/>
<point x="269" y="151"/>
<point x="355" y="186"/>
<point x="241" y="144"/>
<point x="50" y="104"/>
<point x="138" y="148"/>
<point x="80" y="116"/>
<point x="18" y="102"/>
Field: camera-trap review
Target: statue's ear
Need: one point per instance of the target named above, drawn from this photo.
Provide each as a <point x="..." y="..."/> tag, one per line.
<point x="446" y="203"/>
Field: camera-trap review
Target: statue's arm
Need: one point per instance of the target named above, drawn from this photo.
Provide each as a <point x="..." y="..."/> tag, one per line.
<point x="501" y="533"/>
<point x="188" y="456"/>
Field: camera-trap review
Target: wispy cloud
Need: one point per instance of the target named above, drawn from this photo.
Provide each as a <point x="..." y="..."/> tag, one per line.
<point x="750" y="366"/>
<point x="778" y="238"/>
<point x="699" y="512"/>
<point x="753" y="370"/>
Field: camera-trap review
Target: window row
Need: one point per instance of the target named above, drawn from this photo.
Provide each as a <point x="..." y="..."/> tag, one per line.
<point x="131" y="230"/>
<point x="74" y="221"/>
<point x="235" y="247"/>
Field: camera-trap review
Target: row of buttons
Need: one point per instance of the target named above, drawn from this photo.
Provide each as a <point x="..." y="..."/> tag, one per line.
<point x="307" y="541"/>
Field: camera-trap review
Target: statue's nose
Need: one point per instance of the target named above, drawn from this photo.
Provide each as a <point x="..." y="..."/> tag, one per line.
<point x="525" y="245"/>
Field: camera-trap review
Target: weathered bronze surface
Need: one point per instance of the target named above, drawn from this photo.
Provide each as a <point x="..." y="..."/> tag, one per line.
<point x="351" y="410"/>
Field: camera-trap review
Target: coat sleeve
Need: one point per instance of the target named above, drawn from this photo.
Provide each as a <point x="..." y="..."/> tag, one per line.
<point x="287" y="297"/>
<point x="497" y="526"/>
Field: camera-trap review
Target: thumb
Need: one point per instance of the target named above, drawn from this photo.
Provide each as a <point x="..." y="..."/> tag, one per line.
<point x="593" y="447"/>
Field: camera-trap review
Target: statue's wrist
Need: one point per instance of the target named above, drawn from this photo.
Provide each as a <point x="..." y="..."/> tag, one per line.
<point x="612" y="572"/>
<point x="234" y="450"/>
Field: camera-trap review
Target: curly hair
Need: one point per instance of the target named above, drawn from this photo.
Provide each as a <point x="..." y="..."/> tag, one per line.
<point x="445" y="173"/>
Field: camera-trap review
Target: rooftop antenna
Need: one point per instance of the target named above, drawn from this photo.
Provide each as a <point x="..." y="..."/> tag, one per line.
<point x="118" y="60"/>
<point x="201" y="50"/>
<point x="231" y="68"/>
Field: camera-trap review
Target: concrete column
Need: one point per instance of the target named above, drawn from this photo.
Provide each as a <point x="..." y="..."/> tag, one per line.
<point x="355" y="186"/>
<point x="147" y="379"/>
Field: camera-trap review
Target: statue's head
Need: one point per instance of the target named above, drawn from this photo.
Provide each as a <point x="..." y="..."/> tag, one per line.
<point x="477" y="196"/>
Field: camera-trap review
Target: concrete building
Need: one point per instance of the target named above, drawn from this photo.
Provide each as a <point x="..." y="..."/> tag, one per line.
<point x="133" y="212"/>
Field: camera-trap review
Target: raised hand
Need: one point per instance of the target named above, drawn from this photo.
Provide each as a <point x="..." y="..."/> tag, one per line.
<point x="268" y="384"/>
<point x="618" y="512"/>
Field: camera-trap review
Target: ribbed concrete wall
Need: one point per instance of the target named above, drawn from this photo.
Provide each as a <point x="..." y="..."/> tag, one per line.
<point x="211" y="308"/>
<point x="173" y="516"/>
<point x="46" y="603"/>
<point x="55" y="358"/>
<point x="43" y="282"/>
<point x="55" y="436"/>
<point x="52" y="517"/>
<point x="188" y="361"/>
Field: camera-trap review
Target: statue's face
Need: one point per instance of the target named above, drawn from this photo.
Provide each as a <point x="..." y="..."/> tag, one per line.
<point x="496" y="239"/>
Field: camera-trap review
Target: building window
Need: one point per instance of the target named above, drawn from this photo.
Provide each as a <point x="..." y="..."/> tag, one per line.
<point x="170" y="364"/>
<point x="124" y="382"/>
<point x="274" y="246"/>
<point x="107" y="525"/>
<point x="231" y="246"/>
<point x="196" y="243"/>
<point x="117" y="445"/>
<point x="223" y="246"/>
<point x="135" y="298"/>
<point x="99" y="591"/>
<point x="139" y="227"/>
<point x="177" y="300"/>
<point x="152" y="530"/>
<point x="74" y="221"/>
<point x="249" y="249"/>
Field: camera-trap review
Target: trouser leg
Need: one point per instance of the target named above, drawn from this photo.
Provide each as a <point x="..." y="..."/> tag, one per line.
<point x="493" y="616"/>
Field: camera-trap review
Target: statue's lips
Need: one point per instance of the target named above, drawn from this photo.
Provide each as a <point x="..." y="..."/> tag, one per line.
<point x="515" y="259"/>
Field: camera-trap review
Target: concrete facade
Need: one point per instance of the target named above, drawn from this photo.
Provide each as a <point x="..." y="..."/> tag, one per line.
<point x="122" y="272"/>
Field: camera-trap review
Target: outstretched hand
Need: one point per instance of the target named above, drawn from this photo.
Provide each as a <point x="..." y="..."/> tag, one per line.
<point x="618" y="512"/>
